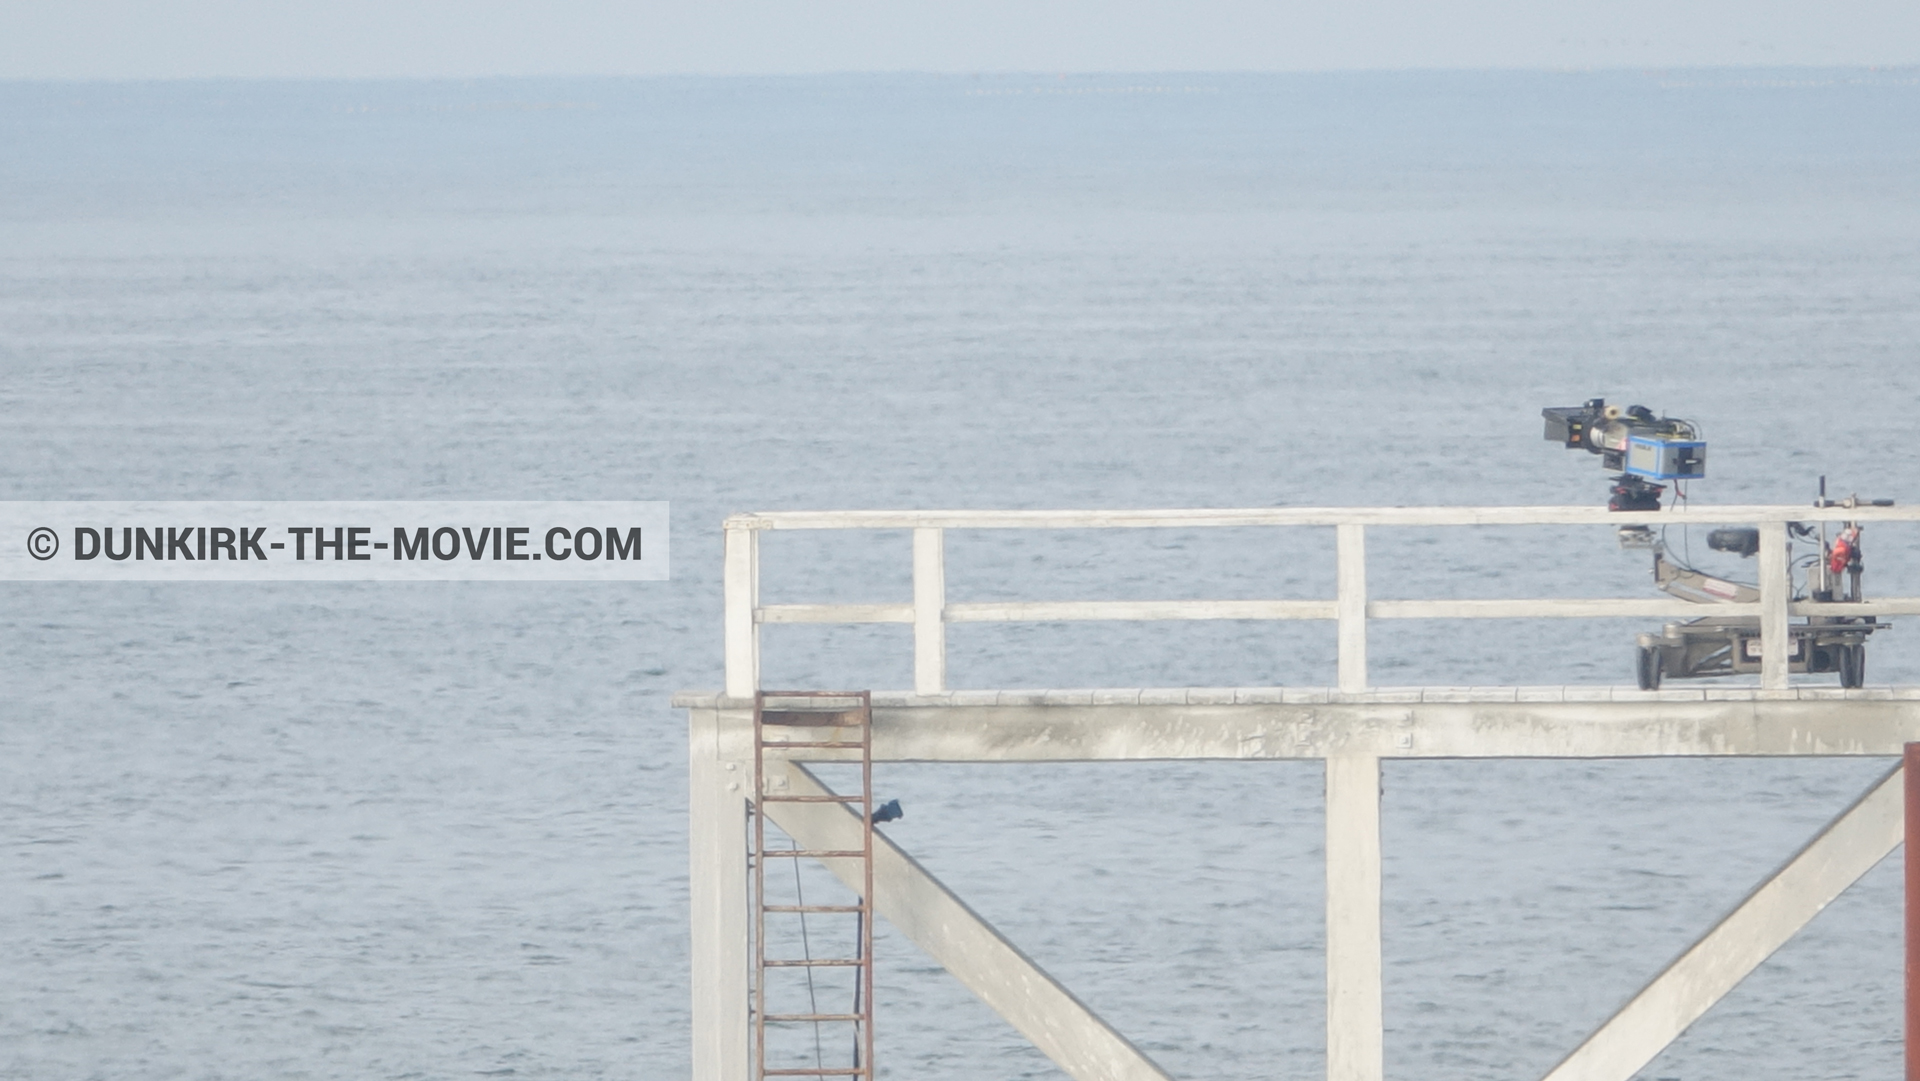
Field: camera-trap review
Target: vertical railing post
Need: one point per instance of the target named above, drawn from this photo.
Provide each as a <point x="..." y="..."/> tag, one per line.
<point x="1776" y="589"/>
<point x="740" y="587"/>
<point x="1910" y="769"/>
<point x="1351" y="579"/>
<point x="1355" y="1029"/>
<point x="929" y="611"/>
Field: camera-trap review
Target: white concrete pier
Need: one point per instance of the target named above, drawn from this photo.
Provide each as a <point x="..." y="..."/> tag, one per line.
<point x="1350" y="726"/>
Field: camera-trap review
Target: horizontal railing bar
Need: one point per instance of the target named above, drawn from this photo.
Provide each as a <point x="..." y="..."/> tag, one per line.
<point x="1310" y="516"/>
<point x="820" y="854"/>
<point x="1891" y="606"/>
<point x="1553" y="608"/>
<point x="1061" y="611"/>
<point x="1475" y="608"/>
<point x="833" y="613"/>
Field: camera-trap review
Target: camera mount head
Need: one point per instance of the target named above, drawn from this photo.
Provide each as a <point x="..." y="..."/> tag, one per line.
<point x="1641" y="447"/>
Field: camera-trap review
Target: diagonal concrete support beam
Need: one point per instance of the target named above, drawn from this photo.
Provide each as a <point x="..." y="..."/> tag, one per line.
<point x="915" y="902"/>
<point x="1845" y="850"/>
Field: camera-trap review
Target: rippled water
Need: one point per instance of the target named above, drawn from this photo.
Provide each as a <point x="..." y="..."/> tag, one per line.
<point x="437" y="830"/>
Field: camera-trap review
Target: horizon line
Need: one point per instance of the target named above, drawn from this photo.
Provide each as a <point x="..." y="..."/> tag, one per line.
<point x="980" y="73"/>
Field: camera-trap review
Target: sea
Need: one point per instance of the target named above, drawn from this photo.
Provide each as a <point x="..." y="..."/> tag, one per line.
<point x="438" y="830"/>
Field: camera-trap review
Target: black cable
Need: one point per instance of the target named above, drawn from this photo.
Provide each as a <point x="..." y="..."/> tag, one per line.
<point x="1806" y="561"/>
<point x="1685" y="562"/>
<point x="806" y="950"/>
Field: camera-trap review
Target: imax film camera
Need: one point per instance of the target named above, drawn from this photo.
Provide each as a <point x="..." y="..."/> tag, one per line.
<point x="1647" y="450"/>
<point x="1643" y="447"/>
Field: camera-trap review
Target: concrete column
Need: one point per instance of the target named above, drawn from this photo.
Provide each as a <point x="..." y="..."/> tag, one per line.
<point x="1355" y="1030"/>
<point x="717" y="892"/>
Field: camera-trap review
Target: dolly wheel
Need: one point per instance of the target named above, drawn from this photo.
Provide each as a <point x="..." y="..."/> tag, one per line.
<point x="1853" y="665"/>
<point x="1647" y="668"/>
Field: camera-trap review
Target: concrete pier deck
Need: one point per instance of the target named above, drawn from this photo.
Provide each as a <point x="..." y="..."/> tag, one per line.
<point x="1410" y="722"/>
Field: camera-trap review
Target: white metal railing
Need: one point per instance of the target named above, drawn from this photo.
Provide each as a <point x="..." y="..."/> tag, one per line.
<point x="1350" y="608"/>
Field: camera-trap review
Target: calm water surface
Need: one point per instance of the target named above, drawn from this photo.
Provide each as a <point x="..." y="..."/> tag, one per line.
<point x="437" y="831"/>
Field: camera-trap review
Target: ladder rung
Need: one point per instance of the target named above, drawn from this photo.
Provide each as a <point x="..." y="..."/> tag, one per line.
<point x="814" y="799"/>
<point x="815" y="962"/>
<point x="813" y="908"/>
<point x="824" y="1071"/>
<point x="772" y="1017"/>
<point x="811" y="743"/>
<point x="813" y="718"/>
<point x="816" y="853"/>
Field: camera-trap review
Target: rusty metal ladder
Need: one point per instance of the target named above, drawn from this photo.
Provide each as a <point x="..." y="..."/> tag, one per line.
<point x="831" y="713"/>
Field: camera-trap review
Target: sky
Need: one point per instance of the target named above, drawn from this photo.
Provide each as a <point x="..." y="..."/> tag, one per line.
<point x="146" y="39"/>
